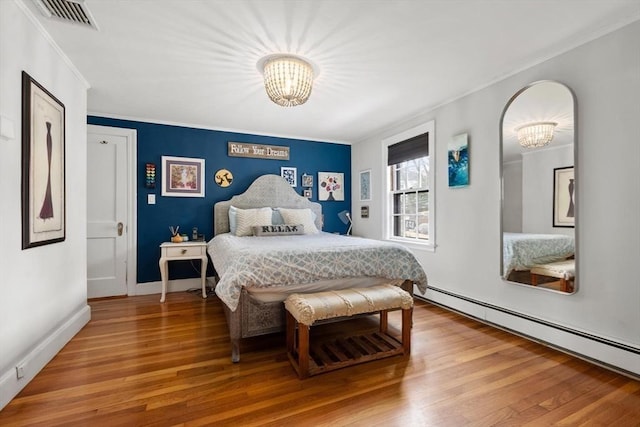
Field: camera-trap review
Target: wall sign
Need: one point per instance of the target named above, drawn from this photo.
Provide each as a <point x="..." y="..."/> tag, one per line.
<point x="257" y="151"/>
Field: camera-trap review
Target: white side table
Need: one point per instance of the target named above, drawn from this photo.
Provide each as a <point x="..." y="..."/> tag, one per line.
<point x="182" y="251"/>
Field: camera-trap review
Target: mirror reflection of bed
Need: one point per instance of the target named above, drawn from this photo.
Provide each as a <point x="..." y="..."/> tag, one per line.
<point x="538" y="188"/>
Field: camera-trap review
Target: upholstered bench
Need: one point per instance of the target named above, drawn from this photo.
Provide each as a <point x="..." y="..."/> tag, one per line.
<point x="564" y="270"/>
<point x="303" y="310"/>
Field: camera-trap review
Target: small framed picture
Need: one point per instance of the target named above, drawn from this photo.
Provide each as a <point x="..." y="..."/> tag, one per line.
<point x="564" y="197"/>
<point x="307" y="180"/>
<point x="182" y="177"/>
<point x="365" y="185"/>
<point x="308" y="193"/>
<point x="331" y="186"/>
<point x="289" y="175"/>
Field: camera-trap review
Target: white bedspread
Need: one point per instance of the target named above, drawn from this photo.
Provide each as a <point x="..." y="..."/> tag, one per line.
<point x="274" y="261"/>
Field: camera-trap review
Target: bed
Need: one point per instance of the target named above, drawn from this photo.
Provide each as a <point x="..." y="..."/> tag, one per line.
<point x="257" y="273"/>
<point x="522" y="251"/>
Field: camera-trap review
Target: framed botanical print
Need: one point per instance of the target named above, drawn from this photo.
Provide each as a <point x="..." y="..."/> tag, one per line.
<point x="43" y="166"/>
<point x="330" y="186"/>
<point x="182" y="177"/>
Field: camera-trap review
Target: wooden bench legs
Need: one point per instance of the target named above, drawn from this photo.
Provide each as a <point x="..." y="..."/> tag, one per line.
<point x="326" y="356"/>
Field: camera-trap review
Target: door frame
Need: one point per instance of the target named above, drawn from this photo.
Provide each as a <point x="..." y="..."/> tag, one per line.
<point x="131" y="136"/>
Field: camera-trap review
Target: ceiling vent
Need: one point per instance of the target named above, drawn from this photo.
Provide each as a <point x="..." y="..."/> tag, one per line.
<point x="73" y="11"/>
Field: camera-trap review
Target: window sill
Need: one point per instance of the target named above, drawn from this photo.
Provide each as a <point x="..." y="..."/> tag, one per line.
<point x="412" y="244"/>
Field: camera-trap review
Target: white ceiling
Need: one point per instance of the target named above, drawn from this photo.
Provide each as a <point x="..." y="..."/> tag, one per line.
<point x="381" y="62"/>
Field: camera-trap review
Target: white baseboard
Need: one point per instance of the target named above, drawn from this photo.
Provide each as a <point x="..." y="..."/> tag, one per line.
<point x="179" y="285"/>
<point x="607" y="352"/>
<point x="42" y="354"/>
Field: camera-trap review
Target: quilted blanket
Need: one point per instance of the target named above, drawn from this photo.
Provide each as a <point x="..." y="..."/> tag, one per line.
<point x="522" y="251"/>
<point x="287" y="260"/>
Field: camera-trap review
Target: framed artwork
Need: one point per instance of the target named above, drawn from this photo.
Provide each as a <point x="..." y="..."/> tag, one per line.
<point x="289" y="175"/>
<point x="365" y="185"/>
<point x="307" y="193"/>
<point x="43" y="166"/>
<point x="458" y="159"/>
<point x="182" y="177"/>
<point x="330" y="186"/>
<point x="564" y="197"/>
<point x="307" y="180"/>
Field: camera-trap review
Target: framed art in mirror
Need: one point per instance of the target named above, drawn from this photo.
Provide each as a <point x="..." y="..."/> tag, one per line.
<point x="43" y="166"/>
<point x="563" y="197"/>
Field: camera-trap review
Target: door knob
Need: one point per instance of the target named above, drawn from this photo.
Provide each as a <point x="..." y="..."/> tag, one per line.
<point x="120" y="228"/>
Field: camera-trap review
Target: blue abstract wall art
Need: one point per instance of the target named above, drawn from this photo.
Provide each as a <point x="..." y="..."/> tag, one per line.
<point x="458" y="156"/>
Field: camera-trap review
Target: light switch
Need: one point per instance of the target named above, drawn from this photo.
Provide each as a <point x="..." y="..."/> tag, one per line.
<point x="6" y="128"/>
<point x="151" y="199"/>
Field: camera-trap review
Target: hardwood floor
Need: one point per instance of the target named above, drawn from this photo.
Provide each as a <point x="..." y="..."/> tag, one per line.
<point x="142" y="363"/>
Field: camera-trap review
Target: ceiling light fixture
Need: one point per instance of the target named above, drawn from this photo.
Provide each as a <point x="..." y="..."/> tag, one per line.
<point x="288" y="79"/>
<point x="537" y="134"/>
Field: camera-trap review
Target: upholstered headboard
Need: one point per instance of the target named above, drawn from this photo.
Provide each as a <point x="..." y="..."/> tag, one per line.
<point x="266" y="191"/>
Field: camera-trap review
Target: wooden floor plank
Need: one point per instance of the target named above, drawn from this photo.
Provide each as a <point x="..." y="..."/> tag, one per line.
<point x="142" y="363"/>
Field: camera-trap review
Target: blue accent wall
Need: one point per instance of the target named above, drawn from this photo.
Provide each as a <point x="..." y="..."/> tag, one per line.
<point x="157" y="140"/>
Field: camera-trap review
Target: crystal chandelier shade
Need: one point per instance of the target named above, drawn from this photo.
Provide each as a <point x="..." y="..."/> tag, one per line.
<point x="288" y="80"/>
<point x="535" y="134"/>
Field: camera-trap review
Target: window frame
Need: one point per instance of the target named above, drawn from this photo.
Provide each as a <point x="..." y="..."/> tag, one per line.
<point x="388" y="228"/>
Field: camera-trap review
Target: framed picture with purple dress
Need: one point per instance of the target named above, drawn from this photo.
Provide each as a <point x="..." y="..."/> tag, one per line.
<point x="43" y="166"/>
<point x="564" y="197"/>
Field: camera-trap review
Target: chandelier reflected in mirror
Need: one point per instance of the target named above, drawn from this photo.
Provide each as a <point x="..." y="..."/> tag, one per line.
<point x="288" y="79"/>
<point x="537" y="134"/>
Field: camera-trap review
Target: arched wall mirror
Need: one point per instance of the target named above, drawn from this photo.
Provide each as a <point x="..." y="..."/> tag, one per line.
<point x="538" y="153"/>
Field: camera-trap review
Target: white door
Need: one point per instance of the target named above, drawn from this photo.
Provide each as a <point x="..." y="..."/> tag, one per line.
<point x="107" y="208"/>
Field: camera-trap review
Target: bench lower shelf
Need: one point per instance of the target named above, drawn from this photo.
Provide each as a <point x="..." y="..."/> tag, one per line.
<point x="330" y="353"/>
<point x="338" y="353"/>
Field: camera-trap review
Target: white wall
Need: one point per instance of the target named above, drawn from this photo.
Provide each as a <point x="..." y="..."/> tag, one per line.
<point x="43" y="291"/>
<point x="512" y="200"/>
<point x="605" y="77"/>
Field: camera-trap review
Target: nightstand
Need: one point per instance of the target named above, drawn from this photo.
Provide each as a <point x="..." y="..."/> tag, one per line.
<point x="179" y="252"/>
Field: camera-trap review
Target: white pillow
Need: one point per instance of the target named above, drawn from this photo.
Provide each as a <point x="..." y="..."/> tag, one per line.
<point x="246" y="219"/>
<point x="300" y="216"/>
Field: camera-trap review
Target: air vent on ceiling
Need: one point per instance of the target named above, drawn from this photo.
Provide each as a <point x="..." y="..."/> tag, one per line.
<point x="73" y="11"/>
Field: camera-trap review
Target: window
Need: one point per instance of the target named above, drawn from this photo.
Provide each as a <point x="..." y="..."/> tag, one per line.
<point x="410" y="192"/>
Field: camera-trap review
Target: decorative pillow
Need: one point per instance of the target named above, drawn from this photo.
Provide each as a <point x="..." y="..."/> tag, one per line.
<point x="300" y="216"/>
<point x="233" y="222"/>
<point x="247" y="218"/>
<point x="278" y="230"/>
<point x="277" y="219"/>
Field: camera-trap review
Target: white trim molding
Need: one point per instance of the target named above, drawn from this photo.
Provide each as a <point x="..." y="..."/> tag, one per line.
<point x="608" y="353"/>
<point x="29" y="366"/>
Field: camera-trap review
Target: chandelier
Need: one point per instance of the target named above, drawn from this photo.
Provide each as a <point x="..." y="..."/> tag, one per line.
<point x="288" y="79"/>
<point x="536" y="134"/>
